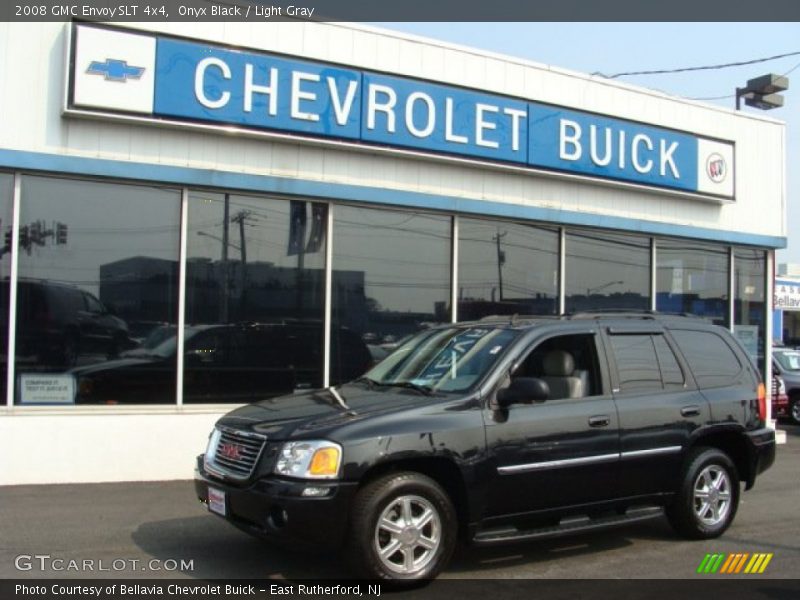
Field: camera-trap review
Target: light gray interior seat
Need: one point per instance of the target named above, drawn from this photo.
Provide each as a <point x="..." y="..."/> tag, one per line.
<point x="559" y="369"/>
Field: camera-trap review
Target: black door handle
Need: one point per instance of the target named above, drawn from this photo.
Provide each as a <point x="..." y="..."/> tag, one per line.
<point x="599" y="421"/>
<point x="690" y="411"/>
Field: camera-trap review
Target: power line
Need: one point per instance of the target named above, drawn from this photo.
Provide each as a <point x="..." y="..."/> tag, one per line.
<point x="728" y="96"/>
<point x="703" y="68"/>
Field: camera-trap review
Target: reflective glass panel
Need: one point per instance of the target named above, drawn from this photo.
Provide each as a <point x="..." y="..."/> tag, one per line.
<point x="505" y="269"/>
<point x="692" y="277"/>
<point x="98" y="274"/>
<point x="606" y="271"/>
<point x="391" y="278"/>
<point x="750" y="307"/>
<point x="255" y="284"/>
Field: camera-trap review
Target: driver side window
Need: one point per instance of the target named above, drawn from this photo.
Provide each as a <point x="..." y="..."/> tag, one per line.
<point x="568" y="364"/>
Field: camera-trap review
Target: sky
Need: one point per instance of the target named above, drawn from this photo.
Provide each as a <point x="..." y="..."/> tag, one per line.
<point x="621" y="47"/>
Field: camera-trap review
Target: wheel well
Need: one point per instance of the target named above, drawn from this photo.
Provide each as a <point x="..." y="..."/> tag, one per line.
<point x="735" y="446"/>
<point x="443" y="471"/>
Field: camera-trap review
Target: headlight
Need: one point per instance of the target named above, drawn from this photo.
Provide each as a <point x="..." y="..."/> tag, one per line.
<point x="310" y="459"/>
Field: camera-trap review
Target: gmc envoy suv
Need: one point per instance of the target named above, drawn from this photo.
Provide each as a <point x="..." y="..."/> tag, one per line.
<point x="496" y="431"/>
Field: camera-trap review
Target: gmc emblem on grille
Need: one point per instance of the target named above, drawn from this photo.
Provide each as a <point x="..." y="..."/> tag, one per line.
<point x="231" y="451"/>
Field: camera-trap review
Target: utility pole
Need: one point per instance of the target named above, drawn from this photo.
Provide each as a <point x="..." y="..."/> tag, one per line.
<point x="225" y="292"/>
<point x="501" y="259"/>
<point x="240" y="218"/>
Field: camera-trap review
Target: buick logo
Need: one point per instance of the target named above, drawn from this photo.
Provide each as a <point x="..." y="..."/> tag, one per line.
<point x="231" y="451"/>
<point x="716" y="168"/>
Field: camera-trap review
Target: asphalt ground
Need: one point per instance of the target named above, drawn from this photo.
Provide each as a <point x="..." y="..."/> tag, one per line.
<point x="122" y="527"/>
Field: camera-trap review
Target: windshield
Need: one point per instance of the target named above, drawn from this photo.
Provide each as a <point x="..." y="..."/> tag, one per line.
<point x="790" y="361"/>
<point x="444" y="360"/>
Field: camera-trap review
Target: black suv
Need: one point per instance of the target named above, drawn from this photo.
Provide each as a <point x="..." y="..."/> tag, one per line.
<point x="498" y="431"/>
<point x="57" y="323"/>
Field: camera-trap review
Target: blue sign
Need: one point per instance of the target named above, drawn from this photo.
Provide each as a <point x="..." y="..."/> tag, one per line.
<point x="414" y="114"/>
<point x="199" y="82"/>
<point x="598" y="146"/>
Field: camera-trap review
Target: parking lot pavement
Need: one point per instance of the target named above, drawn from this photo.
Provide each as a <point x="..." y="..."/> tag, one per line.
<point x="122" y="528"/>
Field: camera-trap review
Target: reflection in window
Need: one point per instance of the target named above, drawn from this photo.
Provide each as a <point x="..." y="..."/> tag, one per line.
<point x="98" y="272"/>
<point x="255" y="289"/>
<point x="6" y="192"/>
<point x="713" y="362"/>
<point x="506" y="268"/>
<point x="749" y="303"/>
<point x="391" y="278"/>
<point x="606" y="271"/>
<point x="692" y="277"/>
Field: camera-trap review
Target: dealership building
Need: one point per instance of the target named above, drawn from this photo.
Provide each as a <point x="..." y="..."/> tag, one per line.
<point x="200" y="215"/>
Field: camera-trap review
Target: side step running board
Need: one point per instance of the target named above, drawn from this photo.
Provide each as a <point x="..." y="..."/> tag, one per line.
<point x="567" y="526"/>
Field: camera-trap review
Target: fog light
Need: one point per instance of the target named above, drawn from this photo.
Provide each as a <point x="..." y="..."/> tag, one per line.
<point x="278" y="517"/>
<point x="315" y="492"/>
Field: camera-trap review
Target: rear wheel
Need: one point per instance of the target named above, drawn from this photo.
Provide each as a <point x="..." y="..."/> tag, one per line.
<point x="706" y="502"/>
<point x="403" y="529"/>
<point x="794" y="409"/>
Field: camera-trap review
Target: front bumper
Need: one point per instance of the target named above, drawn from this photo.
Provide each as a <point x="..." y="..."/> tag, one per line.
<point x="762" y="453"/>
<point x="274" y="508"/>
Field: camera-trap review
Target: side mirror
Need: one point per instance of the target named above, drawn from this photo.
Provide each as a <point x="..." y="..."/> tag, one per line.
<point x="523" y="390"/>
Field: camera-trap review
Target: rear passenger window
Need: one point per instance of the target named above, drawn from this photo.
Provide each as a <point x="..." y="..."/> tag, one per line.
<point x="637" y="364"/>
<point x="671" y="373"/>
<point x="712" y="361"/>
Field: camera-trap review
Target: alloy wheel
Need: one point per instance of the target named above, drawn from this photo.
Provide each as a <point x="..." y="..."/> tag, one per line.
<point x="408" y="534"/>
<point x="712" y="495"/>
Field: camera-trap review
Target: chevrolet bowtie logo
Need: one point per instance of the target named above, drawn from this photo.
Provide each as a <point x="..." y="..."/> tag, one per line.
<point x="115" y="70"/>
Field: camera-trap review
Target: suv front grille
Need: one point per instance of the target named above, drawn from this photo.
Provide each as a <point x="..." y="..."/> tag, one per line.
<point x="236" y="453"/>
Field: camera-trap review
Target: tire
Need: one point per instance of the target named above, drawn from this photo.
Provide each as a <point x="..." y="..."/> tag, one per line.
<point x="708" y="497"/>
<point x="408" y="517"/>
<point x="794" y="410"/>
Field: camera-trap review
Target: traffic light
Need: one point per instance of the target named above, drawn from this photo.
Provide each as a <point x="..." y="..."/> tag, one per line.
<point x="61" y="233"/>
<point x="24" y="237"/>
<point x="8" y="240"/>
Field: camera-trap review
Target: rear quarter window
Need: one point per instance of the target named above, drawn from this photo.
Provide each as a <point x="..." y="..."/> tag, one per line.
<point x="710" y="358"/>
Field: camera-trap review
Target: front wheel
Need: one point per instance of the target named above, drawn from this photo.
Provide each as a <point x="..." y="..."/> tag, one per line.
<point x="706" y="502"/>
<point x="403" y="529"/>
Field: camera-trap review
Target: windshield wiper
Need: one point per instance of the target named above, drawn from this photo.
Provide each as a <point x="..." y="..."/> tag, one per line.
<point x="423" y="389"/>
<point x="371" y="383"/>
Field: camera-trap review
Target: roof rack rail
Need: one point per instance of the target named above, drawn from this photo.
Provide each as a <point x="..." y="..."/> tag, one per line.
<point x="633" y="313"/>
<point x="515" y="318"/>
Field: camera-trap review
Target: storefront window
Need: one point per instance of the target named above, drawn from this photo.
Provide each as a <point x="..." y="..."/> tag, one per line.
<point x="692" y="277"/>
<point x="606" y="271"/>
<point x="750" y="308"/>
<point x="6" y="194"/>
<point x="506" y="268"/>
<point x="98" y="273"/>
<point x="255" y="289"/>
<point x="391" y="278"/>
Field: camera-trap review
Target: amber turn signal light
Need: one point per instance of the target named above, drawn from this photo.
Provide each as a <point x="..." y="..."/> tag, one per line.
<point x="325" y="462"/>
